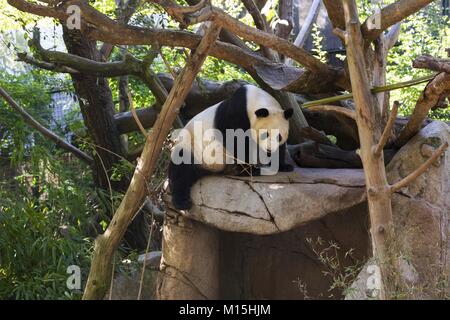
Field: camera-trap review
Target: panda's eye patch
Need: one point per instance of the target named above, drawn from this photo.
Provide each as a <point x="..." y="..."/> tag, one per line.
<point x="262" y="113"/>
<point x="264" y="135"/>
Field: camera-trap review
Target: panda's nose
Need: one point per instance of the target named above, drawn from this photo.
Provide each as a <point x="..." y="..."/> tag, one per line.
<point x="279" y="138"/>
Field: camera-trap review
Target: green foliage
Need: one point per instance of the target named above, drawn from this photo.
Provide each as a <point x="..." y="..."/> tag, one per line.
<point x="44" y="214"/>
<point x="16" y="138"/>
<point x="427" y="32"/>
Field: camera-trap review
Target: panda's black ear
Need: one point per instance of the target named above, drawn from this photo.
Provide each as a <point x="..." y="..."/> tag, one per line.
<point x="262" y="113"/>
<point x="288" y="113"/>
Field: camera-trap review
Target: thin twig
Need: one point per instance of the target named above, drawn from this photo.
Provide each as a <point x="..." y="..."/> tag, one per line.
<point x="112" y="278"/>
<point x="166" y="63"/>
<point x="378" y="149"/>
<point x="144" y="263"/>
<point x="416" y="173"/>
<point x="135" y="116"/>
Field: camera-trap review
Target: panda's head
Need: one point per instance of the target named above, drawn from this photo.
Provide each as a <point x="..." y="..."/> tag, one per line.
<point x="268" y="121"/>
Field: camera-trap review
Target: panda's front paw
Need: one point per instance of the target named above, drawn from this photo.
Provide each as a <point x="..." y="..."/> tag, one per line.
<point x="286" y="168"/>
<point x="182" y="204"/>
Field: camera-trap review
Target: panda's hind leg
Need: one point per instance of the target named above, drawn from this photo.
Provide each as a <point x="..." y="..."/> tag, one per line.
<point x="181" y="179"/>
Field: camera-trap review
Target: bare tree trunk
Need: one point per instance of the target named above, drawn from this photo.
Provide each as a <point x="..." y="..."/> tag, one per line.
<point x="97" y="109"/>
<point x="368" y="118"/>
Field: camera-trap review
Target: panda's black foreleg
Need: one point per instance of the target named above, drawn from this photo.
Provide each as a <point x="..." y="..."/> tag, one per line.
<point x="181" y="179"/>
<point x="284" y="167"/>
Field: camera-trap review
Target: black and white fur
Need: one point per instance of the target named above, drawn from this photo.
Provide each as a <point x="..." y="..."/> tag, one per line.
<point x="248" y="108"/>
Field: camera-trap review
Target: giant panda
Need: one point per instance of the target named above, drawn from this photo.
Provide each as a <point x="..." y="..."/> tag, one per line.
<point x="201" y="147"/>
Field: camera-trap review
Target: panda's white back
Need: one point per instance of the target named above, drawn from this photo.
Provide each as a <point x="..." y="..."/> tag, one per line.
<point x="200" y="141"/>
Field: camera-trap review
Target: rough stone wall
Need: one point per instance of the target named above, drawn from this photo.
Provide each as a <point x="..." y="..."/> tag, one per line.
<point x="246" y="238"/>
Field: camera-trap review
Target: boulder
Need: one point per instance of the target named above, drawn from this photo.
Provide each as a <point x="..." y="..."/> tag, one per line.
<point x="304" y="234"/>
<point x="421" y="218"/>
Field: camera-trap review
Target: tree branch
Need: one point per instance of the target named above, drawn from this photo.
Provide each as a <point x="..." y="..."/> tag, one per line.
<point x="125" y="122"/>
<point x="61" y="143"/>
<point x="22" y="56"/>
<point x="336" y="109"/>
<point x="378" y="149"/>
<point x="66" y="62"/>
<point x="225" y="35"/>
<point x="40" y="10"/>
<point x="335" y="12"/>
<point x="392" y="36"/>
<point x="260" y="23"/>
<point x="420" y="170"/>
<point x="129" y="65"/>
<point x="431" y="63"/>
<point x="124" y="12"/>
<point x="391" y="15"/>
<point x="248" y="33"/>
<point x="430" y="97"/>
<point x="102" y="28"/>
<point x="107" y="243"/>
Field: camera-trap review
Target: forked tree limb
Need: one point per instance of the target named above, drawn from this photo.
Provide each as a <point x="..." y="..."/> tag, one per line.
<point x="390" y="15"/>
<point x="105" y="29"/>
<point x="225" y="35"/>
<point x="128" y="66"/>
<point x="107" y="243"/>
<point x="258" y="19"/>
<point x="378" y="149"/>
<point x="420" y="170"/>
<point x="269" y="40"/>
<point x="61" y="143"/>
<point x="341" y="34"/>
<point x="260" y="23"/>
